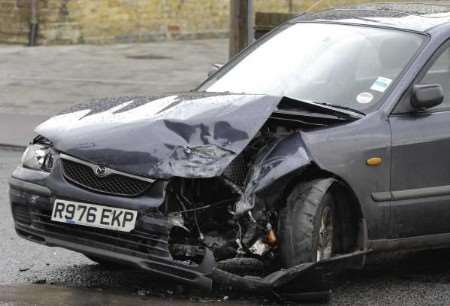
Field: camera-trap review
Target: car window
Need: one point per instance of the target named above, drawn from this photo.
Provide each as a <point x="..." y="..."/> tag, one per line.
<point x="439" y="73"/>
<point x="368" y="64"/>
<point x="349" y="66"/>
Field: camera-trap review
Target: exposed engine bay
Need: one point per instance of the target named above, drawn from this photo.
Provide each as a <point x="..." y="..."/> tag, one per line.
<point x="220" y="213"/>
<point x="207" y="213"/>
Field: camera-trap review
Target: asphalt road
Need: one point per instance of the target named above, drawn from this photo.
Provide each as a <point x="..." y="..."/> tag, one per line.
<point x="47" y="79"/>
<point x="35" y="275"/>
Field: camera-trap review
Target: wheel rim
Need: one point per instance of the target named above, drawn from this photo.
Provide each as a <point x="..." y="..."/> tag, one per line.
<point x="325" y="241"/>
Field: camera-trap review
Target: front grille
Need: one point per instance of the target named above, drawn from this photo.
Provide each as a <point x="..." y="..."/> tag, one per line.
<point x="237" y="171"/>
<point x="137" y="242"/>
<point x="116" y="184"/>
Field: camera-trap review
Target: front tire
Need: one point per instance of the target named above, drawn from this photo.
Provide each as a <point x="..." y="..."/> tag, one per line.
<point x="307" y="224"/>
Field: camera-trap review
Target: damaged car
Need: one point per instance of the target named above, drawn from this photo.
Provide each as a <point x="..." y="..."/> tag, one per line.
<point x="323" y="141"/>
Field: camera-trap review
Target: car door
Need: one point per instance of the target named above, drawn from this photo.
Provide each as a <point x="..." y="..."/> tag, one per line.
<point x="420" y="170"/>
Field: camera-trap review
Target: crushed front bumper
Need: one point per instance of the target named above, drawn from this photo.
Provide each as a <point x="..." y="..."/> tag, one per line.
<point x="146" y="247"/>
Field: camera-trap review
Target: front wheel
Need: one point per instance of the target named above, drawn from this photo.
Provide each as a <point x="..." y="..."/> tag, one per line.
<point x="307" y="224"/>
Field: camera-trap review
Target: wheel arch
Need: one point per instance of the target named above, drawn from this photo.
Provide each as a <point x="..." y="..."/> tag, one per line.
<point x="350" y="212"/>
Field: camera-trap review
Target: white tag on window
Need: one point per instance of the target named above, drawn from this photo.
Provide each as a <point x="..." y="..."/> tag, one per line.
<point x="381" y="84"/>
<point x="364" y="98"/>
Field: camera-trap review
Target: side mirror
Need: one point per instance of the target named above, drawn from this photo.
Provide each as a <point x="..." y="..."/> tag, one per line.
<point x="427" y="96"/>
<point x="214" y="68"/>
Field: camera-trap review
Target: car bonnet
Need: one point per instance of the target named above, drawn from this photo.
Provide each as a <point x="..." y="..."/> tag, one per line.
<point x="186" y="135"/>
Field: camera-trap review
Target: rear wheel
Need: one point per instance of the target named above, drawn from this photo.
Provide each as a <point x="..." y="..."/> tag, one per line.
<point x="307" y="224"/>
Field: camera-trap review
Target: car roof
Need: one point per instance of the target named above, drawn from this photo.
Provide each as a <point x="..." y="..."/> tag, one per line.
<point x="419" y="17"/>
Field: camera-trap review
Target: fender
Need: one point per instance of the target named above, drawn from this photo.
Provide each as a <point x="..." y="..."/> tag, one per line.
<point x="276" y="164"/>
<point x="282" y="159"/>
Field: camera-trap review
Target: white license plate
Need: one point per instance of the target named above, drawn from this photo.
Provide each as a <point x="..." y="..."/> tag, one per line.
<point x="111" y="218"/>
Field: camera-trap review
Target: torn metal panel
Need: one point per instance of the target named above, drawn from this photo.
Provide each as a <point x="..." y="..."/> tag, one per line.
<point x="284" y="157"/>
<point x="276" y="163"/>
<point x="293" y="283"/>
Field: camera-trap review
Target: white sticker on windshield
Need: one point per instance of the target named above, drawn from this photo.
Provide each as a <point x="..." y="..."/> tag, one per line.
<point x="381" y="84"/>
<point x="364" y="98"/>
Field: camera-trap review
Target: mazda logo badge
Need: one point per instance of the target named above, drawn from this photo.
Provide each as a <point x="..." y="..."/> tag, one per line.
<point x="100" y="171"/>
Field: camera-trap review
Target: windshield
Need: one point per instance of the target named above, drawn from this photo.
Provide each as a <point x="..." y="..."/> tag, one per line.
<point x="348" y="66"/>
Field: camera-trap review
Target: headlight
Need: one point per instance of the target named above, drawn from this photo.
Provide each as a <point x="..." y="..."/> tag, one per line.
<point x="38" y="157"/>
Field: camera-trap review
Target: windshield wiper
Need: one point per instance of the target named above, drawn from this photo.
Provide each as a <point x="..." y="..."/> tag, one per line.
<point x="341" y="107"/>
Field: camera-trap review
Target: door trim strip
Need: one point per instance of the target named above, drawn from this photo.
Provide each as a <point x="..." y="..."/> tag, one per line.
<point x="409" y="194"/>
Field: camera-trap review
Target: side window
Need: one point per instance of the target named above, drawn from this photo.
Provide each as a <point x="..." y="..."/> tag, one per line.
<point x="439" y="73"/>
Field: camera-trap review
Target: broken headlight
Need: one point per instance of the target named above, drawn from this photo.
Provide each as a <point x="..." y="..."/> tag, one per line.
<point x="38" y="157"/>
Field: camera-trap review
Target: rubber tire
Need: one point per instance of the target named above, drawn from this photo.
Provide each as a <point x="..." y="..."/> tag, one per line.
<point x="299" y="223"/>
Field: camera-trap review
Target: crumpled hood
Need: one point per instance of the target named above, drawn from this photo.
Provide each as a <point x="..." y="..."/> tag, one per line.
<point x="188" y="135"/>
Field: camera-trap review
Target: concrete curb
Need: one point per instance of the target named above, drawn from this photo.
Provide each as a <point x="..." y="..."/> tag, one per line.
<point x="8" y="147"/>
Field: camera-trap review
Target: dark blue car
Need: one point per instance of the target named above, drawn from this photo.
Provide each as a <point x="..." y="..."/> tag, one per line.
<point x="327" y="139"/>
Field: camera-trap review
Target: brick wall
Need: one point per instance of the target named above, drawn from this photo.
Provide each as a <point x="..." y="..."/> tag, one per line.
<point x="123" y="21"/>
<point x="14" y="21"/>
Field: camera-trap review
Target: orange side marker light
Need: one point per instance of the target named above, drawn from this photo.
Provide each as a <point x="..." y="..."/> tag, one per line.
<point x="374" y="161"/>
